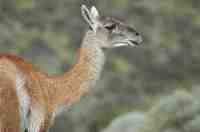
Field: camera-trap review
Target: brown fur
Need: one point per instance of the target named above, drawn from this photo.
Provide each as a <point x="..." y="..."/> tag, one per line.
<point x="9" y="114"/>
<point x="50" y="92"/>
<point x="9" y="105"/>
<point x="30" y="98"/>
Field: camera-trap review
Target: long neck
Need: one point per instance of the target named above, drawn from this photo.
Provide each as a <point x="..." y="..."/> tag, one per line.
<point x="90" y="59"/>
<point x="83" y="75"/>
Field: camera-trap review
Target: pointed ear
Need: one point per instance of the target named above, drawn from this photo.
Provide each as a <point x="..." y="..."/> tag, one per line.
<point x="90" y="16"/>
<point x="94" y="12"/>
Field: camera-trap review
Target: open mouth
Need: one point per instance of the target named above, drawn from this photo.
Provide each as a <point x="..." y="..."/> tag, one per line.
<point x="126" y="43"/>
<point x="133" y="42"/>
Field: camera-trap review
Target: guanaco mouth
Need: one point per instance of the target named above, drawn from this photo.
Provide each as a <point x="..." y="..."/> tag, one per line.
<point x="126" y="43"/>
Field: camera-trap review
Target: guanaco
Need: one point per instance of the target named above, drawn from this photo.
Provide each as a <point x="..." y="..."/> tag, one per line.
<point x="30" y="99"/>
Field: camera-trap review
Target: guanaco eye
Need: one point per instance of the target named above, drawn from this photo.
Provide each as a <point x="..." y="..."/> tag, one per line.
<point x="111" y="26"/>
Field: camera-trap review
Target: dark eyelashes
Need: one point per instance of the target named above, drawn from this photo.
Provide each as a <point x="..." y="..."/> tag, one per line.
<point x="111" y="27"/>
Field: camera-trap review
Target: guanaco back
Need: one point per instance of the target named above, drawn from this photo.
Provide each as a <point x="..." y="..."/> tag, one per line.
<point x="30" y="99"/>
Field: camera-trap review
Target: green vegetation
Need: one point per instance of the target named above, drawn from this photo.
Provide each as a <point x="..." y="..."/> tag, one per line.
<point x="134" y="79"/>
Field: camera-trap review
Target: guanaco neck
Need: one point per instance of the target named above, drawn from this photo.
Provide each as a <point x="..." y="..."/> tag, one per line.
<point x="82" y="76"/>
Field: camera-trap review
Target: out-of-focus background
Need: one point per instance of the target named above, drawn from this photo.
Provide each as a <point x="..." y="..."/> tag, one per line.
<point x="152" y="88"/>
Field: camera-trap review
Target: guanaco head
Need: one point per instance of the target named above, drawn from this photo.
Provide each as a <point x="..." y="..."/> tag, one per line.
<point x="112" y="32"/>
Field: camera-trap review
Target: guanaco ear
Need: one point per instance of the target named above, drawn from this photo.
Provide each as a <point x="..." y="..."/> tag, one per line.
<point x="94" y="13"/>
<point x="91" y="16"/>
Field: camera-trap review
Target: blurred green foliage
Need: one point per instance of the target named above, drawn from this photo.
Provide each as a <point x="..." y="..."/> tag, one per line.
<point x="178" y="112"/>
<point x="134" y="78"/>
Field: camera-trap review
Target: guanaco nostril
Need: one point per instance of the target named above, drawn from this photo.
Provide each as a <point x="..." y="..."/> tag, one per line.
<point x="137" y="34"/>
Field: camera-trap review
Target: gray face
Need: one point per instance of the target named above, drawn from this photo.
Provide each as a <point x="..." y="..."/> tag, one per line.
<point x="118" y="33"/>
<point x="110" y="31"/>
